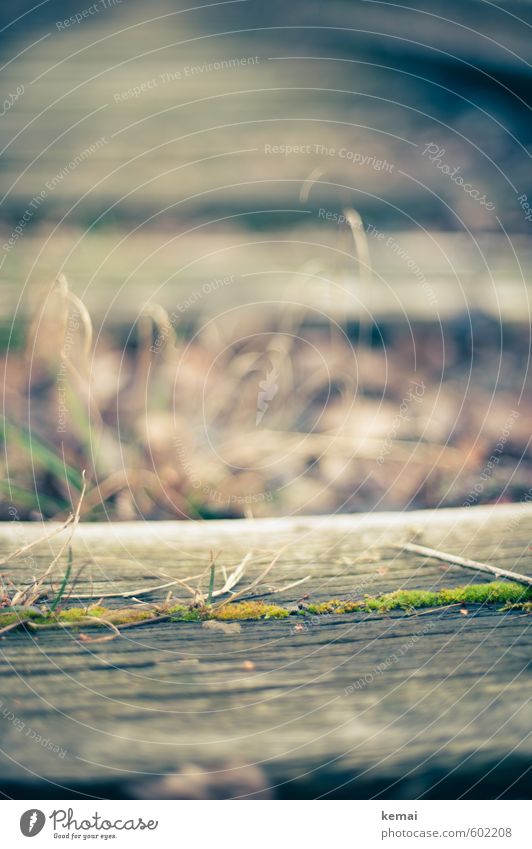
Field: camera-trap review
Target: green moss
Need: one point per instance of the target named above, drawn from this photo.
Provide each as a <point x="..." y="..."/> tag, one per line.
<point x="97" y="611"/>
<point x="128" y="616"/>
<point x="496" y="592"/>
<point x="238" y="610"/>
<point x="182" y="613"/>
<point x="20" y="616"/>
<point x="72" y="615"/>
<point x="122" y="616"/>
<point x="512" y="596"/>
<point x="335" y="605"/>
<point x="242" y="610"/>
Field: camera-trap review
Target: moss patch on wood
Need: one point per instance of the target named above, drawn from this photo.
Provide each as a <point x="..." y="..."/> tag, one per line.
<point x="511" y="595"/>
<point x="250" y="610"/>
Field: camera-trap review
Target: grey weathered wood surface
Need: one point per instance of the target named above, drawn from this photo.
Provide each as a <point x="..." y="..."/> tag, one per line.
<point x="170" y="709"/>
<point x="188" y="158"/>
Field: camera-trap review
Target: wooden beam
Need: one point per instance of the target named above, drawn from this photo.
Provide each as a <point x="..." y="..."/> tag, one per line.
<point x="349" y="706"/>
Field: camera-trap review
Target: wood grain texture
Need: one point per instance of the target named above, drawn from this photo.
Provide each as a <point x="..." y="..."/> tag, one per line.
<point x="433" y="704"/>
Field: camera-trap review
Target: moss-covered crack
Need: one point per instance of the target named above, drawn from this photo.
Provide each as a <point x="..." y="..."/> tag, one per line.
<point x="512" y="596"/>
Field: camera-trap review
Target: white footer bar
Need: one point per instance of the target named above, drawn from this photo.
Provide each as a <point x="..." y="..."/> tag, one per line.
<point x="267" y="824"/>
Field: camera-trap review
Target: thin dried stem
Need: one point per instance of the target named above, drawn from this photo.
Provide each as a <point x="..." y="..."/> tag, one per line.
<point x="465" y="562"/>
<point x="31" y="593"/>
<point x="35" y="542"/>
<point x="107" y="639"/>
<point x="253" y="584"/>
<point x="288" y="586"/>
<point x="129" y="593"/>
<point x="87" y="325"/>
<point x="11" y="626"/>
<point x="235" y="577"/>
<point x="356" y="225"/>
<point x="162" y="618"/>
<point x="309" y="181"/>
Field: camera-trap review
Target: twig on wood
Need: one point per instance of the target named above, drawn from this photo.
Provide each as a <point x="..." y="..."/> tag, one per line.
<point x="466" y="562"/>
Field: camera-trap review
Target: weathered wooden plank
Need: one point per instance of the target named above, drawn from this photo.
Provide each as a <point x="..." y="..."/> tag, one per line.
<point x="204" y="274"/>
<point x="81" y="83"/>
<point x="351" y="706"/>
<point x="109" y="137"/>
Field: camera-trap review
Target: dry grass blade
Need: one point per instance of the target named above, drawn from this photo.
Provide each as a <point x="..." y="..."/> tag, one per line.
<point x="129" y="593"/>
<point x="164" y="617"/>
<point x="274" y="590"/>
<point x="35" y="542"/>
<point x="309" y="181"/>
<point x="106" y="639"/>
<point x="183" y="583"/>
<point x="258" y="580"/>
<point x="87" y="326"/>
<point x="62" y="287"/>
<point x="234" y="577"/>
<point x="288" y="586"/>
<point x="30" y="594"/>
<point x="356" y="226"/>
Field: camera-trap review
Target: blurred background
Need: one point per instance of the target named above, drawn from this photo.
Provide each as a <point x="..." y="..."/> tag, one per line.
<point x="264" y="259"/>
